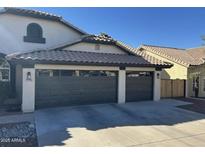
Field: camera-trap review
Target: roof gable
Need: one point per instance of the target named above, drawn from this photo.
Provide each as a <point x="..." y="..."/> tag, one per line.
<point x="39" y="15"/>
<point x="99" y="39"/>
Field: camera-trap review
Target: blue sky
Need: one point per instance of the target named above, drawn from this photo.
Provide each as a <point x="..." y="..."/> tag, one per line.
<point x="175" y="27"/>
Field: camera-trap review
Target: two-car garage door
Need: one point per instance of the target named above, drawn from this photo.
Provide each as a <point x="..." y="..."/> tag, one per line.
<point x="69" y="87"/>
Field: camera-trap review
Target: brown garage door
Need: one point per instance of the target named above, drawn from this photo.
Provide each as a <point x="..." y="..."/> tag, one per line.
<point x="139" y="86"/>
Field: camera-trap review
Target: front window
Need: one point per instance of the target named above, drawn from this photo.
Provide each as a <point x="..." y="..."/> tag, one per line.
<point x="4" y="70"/>
<point x="203" y="84"/>
<point x="195" y="83"/>
<point x="34" y="34"/>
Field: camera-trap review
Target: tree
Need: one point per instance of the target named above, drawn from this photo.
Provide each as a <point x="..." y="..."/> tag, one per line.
<point x="203" y="39"/>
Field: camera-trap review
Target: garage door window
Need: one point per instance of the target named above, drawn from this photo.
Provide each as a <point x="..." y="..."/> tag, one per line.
<point x="97" y="73"/>
<point x="44" y="73"/>
<point x="55" y="73"/>
<point x="82" y="73"/>
<point x="67" y="73"/>
<point x="138" y="74"/>
<point x="4" y="70"/>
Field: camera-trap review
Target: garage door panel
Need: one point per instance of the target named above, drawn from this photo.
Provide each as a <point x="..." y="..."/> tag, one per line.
<point x="139" y="88"/>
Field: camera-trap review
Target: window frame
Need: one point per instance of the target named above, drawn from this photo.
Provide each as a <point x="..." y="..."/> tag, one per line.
<point x="194" y="82"/>
<point x="204" y="84"/>
<point x="4" y="68"/>
<point x="33" y="27"/>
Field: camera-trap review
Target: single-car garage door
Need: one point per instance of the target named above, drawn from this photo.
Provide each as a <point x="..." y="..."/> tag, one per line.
<point x="68" y="87"/>
<point x="139" y="86"/>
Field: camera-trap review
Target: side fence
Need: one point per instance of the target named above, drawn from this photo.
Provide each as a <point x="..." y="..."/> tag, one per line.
<point x="173" y="88"/>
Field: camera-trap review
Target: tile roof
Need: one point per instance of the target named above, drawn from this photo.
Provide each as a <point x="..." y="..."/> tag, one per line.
<point x="102" y="38"/>
<point x="79" y="57"/>
<point x="186" y="57"/>
<point x="143" y="54"/>
<point x="197" y="53"/>
<point x="177" y="55"/>
<point x="106" y="39"/>
<point x="39" y="14"/>
<point x="2" y="55"/>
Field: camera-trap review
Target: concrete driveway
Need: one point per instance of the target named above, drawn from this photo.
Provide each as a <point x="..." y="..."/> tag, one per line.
<point x="131" y="124"/>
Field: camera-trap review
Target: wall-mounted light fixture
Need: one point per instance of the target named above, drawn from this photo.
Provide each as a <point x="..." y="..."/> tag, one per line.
<point x="28" y="76"/>
<point x="158" y="75"/>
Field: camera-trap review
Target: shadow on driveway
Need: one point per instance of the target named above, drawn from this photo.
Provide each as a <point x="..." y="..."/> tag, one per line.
<point x="198" y="105"/>
<point x="54" y="125"/>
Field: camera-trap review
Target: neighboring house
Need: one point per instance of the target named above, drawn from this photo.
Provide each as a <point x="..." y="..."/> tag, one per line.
<point x="54" y="63"/>
<point x="187" y="64"/>
<point x="196" y="73"/>
<point x="180" y="58"/>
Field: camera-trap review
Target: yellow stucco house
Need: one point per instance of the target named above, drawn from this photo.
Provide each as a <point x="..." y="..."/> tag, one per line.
<point x="188" y="64"/>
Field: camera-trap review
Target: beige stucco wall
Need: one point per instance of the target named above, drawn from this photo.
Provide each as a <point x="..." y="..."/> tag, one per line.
<point x="178" y="71"/>
<point x="28" y="90"/>
<point x="193" y="72"/>
<point x="90" y="47"/>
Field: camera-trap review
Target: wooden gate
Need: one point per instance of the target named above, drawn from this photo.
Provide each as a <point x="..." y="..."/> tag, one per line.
<point x="172" y="88"/>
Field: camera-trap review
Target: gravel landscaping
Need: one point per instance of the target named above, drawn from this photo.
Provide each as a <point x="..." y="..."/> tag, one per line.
<point x="21" y="134"/>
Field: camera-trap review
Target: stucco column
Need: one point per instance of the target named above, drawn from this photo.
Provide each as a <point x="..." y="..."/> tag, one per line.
<point x="28" y="90"/>
<point x="157" y="86"/>
<point x="121" y="86"/>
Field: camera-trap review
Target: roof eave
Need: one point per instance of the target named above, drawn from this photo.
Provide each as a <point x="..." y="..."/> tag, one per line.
<point x="32" y="62"/>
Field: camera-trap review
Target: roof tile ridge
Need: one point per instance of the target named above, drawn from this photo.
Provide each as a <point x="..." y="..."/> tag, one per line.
<point x="167" y="56"/>
<point x="163" y="47"/>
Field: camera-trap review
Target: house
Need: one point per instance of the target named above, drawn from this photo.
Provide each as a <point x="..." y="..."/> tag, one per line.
<point x="187" y="65"/>
<point x="54" y="63"/>
<point x="196" y="73"/>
